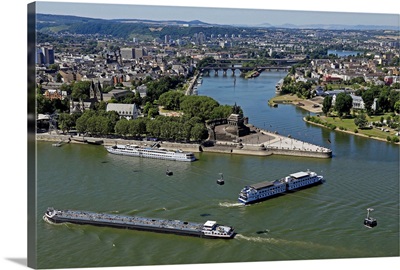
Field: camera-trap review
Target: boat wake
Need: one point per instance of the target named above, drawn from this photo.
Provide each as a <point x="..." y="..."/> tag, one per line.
<point x="298" y="244"/>
<point x="161" y="209"/>
<point x="257" y="239"/>
<point x="50" y="222"/>
<point x="228" y="204"/>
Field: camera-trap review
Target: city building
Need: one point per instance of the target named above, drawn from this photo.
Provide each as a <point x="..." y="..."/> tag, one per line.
<point x="129" y="111"/>
<point x="45" y="55"/>
<point x="127" y="53"/>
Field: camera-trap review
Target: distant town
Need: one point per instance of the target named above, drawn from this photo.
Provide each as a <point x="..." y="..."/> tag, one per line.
<point x="96" y="81"/>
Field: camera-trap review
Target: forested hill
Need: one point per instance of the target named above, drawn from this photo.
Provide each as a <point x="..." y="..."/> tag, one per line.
<point x="126" y="28"/>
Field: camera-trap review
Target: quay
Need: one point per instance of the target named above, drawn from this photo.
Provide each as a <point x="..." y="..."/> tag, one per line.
<point x="258" y="143"/>
<point x="264" y="143"/>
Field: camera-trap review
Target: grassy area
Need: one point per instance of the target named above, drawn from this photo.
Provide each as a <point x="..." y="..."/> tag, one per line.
<point x="284" y="99"/>
<point x="347" y="125"/>
<point x="168" y="112"/>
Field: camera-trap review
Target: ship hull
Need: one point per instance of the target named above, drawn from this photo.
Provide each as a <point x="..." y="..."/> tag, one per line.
<point x="145" y="155"/>
<point x="262" y="199"/>
<point x="128" y="226"/>
<point x="287" y="191"/>
<point x="317" y="183"/>
<point x="137" y="227"/>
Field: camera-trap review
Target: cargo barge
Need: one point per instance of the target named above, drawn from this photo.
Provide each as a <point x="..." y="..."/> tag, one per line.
<point x="209" y="229"/>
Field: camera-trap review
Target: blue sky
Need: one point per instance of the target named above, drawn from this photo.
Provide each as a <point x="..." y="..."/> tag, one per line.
<point x="227" y="13"/>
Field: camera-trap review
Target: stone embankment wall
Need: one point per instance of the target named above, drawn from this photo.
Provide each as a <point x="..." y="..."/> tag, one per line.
<point x="112" y="141"/>
<point x="301" y="153"/>
<point x="222" y="147"/>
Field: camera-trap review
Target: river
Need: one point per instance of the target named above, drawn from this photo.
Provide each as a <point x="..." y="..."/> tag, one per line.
<point x="321" y="222"/>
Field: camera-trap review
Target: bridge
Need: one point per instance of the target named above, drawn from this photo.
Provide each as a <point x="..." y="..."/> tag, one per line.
<point x="278" y="61"/>
<point x="234" y="64"/>
<point x="206" y="70"/>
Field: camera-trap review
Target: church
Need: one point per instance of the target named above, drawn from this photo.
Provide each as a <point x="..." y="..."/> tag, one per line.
<point x="95" y="96"/>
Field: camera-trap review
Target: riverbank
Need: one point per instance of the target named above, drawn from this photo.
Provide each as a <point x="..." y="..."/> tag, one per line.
<point x="358" y="133"/>
<point x="313" y="105"/>
<point x="257" y="143"/>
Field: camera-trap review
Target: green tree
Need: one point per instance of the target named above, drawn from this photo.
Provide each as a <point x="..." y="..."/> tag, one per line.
<point x="397" y="106"/>
<point x="343" y="104"/>
<point x="156" y="88"/>
<point x="206" y="61"/>
<point x="137" y="127"/>
<point x="368" y="97"/>
<point x="81" y="122"/>
<point x="171" y="100"/>
<point x="66" y="121"/>
<point x="361" y="121"/>
<point x="67" y="88"/>
<point x="153" y="128"/>
<point x="200" y="106"/>
<point x="44" y="105"/>
<point x="58" y="78"/>
<point x="81" y="90"/>
<point x="152" y="112"/>
<point x="222" y="111"/>
<point x="327" y="104"/>
<point x="122" y="127"/>
<point x="199" y="132"/>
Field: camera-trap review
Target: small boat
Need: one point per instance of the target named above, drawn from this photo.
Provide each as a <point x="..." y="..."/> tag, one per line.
<point x="370" y="222"/>
<point x="168" y="172"/>
<point x="221" y="181"/>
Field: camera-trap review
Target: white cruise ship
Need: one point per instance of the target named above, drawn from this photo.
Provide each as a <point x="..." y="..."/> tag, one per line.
<point x="150" y="152"/>
<point x="265" y="190"/>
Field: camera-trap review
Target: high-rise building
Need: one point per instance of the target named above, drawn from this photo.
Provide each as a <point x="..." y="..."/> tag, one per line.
<point x="127" y="53"/>
<point x="39" y="57"/>
<point x="45" y="55"/>
<point x="166" y="39"/>
<point x="139" y="52"/>
<point x="201" y="38"/>
<point x="48" y="54"/>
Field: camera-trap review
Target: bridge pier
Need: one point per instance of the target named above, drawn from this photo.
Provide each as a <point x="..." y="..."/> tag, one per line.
<point x="215" y="72"/>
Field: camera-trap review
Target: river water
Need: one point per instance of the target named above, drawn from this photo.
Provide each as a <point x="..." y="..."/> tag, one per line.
<point x="322" y="222"/>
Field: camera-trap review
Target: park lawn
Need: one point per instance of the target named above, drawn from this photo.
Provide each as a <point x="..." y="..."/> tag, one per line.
<point x="348" y="125"/>
<point x="169" y="112"/>
<point x="284" y="99"/>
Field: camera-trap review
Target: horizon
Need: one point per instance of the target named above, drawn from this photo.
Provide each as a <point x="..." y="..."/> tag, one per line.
<point x="216" y="15"/>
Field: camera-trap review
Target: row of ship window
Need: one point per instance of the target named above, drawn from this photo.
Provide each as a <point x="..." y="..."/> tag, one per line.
<point x="282" y="189"/>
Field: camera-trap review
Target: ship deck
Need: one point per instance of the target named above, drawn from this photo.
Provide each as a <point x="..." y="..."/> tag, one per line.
<point x="129" y="220"/>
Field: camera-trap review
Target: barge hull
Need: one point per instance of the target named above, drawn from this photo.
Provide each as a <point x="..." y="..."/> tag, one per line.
<point x="130" y="227"/>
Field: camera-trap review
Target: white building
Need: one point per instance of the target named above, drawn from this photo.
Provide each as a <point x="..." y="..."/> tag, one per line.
<point x="129" y="111"/>
<point x="358" y="102"/>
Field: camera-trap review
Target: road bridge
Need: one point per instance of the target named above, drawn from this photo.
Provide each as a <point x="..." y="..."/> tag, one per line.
<point x="278" y="61"/>
<point x="206" y="70"/>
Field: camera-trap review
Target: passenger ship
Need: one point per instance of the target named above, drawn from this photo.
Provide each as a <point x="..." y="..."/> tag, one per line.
<point x="268" y="189"/>
<point x="150" y="152"/>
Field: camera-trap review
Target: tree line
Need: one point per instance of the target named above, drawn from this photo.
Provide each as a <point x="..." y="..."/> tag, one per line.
<point x="188" y="127"/>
